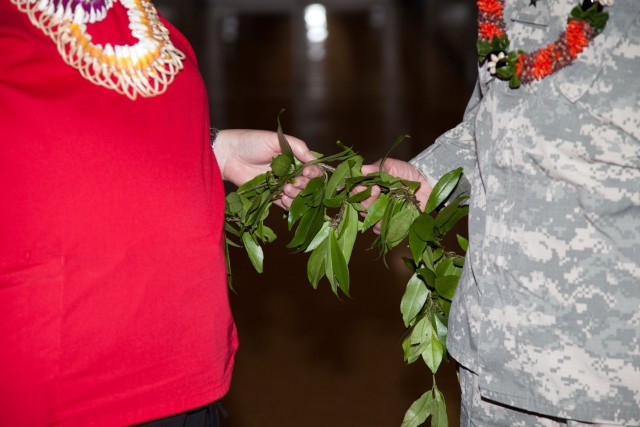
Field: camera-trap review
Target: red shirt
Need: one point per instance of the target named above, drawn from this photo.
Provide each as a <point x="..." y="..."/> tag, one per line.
<point x="113" y="296"/>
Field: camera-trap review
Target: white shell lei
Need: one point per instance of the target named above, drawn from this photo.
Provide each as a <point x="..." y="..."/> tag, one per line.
<point x="146" y="68"/>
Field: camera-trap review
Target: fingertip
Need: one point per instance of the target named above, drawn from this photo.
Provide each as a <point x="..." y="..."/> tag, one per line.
<point x="301" y="182"/>
<point x="366" y="170"/>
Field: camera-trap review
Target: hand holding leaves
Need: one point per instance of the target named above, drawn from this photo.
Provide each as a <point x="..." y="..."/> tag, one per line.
<point x="243" y="154"/>
<point x="404" y="170"/>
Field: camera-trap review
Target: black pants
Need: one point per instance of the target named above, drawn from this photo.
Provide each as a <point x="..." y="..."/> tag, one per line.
<point x="206" y="416"/>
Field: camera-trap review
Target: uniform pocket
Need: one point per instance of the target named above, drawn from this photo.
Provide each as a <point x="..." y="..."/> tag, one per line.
<point x="30" y="303"/>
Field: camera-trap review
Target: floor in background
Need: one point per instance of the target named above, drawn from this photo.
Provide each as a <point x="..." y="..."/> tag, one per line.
<point x="307" y="358"/>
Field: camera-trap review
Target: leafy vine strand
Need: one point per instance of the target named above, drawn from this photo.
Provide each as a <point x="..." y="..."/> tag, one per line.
<point x="326" y="219"/>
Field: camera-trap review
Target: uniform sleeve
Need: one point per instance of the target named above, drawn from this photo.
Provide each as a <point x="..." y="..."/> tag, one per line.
<point x="455" y="148"/>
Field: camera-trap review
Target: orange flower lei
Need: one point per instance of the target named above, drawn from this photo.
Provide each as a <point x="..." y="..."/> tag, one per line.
<point x="584" y="24"/>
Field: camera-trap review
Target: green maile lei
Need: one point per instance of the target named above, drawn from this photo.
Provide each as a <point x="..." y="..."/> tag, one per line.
<point x="325" y="220"/>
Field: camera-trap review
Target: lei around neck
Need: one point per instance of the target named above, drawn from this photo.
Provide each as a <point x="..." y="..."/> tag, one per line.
<point x="584" y="23"/>
<point x="144" y="69"/>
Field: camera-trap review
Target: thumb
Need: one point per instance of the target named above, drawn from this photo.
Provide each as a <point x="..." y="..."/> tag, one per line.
<point x="300" y="149"/>
<point x="372" y="168"/>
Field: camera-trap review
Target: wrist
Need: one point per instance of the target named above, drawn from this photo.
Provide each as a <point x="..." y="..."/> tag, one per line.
<point x="219" y="146"/>
<point x="213" y="136"/>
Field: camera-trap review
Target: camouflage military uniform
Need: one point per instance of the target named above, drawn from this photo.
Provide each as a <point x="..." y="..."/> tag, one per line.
<point x="547" y="313"/>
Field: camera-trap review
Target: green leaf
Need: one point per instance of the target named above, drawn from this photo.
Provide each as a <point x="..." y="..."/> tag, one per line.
<point x="484" y="49"/>
<point x="228" y="263"/>
<point x="259" y="208"/>
<point x="400" y="222"/>
<point x="233" y="203"/>
<point x="497" y="44"/>
<point x="443" y="189"/>
<point x="376" y="211"/>
<point x="458" y="214"/>
<point x="336" y="202"/>
<point x="320" y="237"/>
<point x="408" y="262"/>
<point x="309" y="226"/>
<point x="265" y="233"/>
<point x="342" y="171"/>
<point x="305" y="200"/>
<point x="336" y="267"/>
<point x="438" y="410"/>
<point x="514" y="82"/>
<point x="348" y="231"/>
<point x="348" y="169"/>
<point x="428" y="276"/>
<point x="439" y="323"/>
<point x="231" y="243"/>
<point x="419" y="411"/>
<point x="317" y="197"/>
<point x="458" y="261"/>
<point x="345" y="150"/>
<point x="429" y="259"/>
<point x="446" y="286"/>
<point x="445" y="305"/>
<point x="420" y="338"/>
<point x="229" y="228"/>
<point x="256" y="202"/>
<point x="424" y="226"/>
<point x="433" y="354"/>
<point x="464" y="243"/>
<point x="416" y="245"/>
<point x="345" y="154"/>
<point x="393" y="207"/>
<point x="413" y="299"/>
<point x="360" y="197"/>
<point x="406" y="347"/>
<point x="500" y="43"/>
<point x="505" y="72"/>
<point x="399" y="140"/>
<point x="281" y="165"/>
<point x="437" y="254"/>
<point x="248" y="189"/>
<point x="412" y="186"/>
<point x="246" y="206"/>
<point x="355" y="164"/>
<point x="597" y="19"/>
<point x="448" y="213"/>
<point x="315" y="265"/>
<point x="254" y="251"/>
<point x="446" y="268"/>
<point x="383" y="179"/>
<point x="352" y="182"/>
<point x="285" y="147"/>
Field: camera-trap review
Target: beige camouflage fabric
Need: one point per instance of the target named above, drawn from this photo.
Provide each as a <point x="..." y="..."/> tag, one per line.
<point x="547" y="313"/>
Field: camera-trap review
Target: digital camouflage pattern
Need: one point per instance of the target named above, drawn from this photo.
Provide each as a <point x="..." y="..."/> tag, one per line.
<point x="479" y="412"/>
<point x="547" y="312"/>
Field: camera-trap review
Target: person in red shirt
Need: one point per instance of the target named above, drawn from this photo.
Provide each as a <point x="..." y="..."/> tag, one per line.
<point x="113" y="296"/>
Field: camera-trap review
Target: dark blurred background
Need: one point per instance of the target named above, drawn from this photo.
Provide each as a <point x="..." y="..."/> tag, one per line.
<point x="362" y="72"/>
